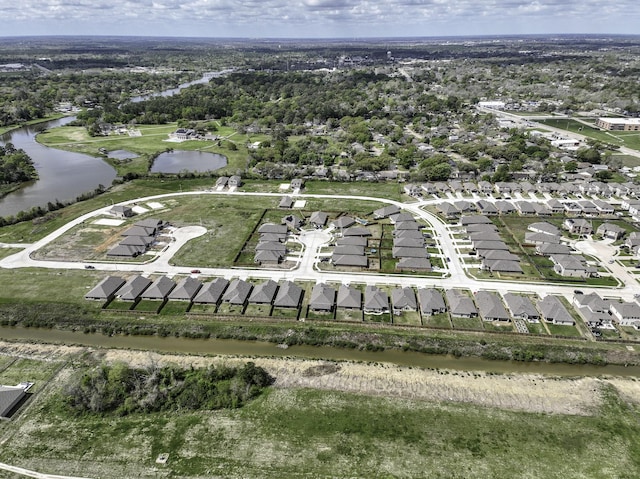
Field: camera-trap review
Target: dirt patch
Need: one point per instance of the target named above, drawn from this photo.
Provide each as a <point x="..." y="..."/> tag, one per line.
<point x="321" y="370"/>
<point x="520" y="392"/>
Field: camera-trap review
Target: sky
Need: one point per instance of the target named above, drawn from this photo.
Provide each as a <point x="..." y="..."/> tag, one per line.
<point x="317" y="18"/>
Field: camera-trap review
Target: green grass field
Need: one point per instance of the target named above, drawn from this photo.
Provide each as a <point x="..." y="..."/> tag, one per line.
<point x="294" y="433"/>
<point x="152" y="140"/>
<point x="630" y="139"/>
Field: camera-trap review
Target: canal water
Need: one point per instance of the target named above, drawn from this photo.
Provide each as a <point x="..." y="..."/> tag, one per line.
<point x="260" y="348"/>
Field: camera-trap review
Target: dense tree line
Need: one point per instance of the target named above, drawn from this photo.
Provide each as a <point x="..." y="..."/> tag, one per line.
<point x="121" y="389"/>
<point x="32" y="95"/>
<point x="15" y="166"/>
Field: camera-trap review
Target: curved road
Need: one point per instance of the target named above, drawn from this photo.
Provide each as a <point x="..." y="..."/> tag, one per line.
<point x="306" y="265"/>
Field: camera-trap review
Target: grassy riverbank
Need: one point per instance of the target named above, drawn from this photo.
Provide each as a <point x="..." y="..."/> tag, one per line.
<point x="332" y="419"/>
<point x="9" y="128"/>
<point x="86" y="317"/>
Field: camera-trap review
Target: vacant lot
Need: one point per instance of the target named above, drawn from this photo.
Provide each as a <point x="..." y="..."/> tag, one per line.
<point x="326" y="419"/>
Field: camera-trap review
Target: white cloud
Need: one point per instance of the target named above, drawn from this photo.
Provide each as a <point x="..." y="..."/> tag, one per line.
<point x="318" y="17"/>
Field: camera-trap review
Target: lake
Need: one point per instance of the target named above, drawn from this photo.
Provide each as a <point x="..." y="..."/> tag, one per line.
<point x="63" y="175"/>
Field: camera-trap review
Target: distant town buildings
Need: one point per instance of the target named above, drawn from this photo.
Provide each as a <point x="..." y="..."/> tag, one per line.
<point x="619" y="124"/>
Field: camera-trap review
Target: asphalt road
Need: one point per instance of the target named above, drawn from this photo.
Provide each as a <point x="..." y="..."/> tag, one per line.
<point x="312" y="241"/>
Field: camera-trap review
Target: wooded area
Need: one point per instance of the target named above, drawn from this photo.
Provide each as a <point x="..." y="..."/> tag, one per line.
<point x="121" y="389"/>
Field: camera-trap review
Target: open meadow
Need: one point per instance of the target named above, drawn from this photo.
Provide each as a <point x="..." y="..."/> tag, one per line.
<point x="331" y="419"/>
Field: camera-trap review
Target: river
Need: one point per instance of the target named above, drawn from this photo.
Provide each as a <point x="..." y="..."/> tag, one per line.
<point x="259" y="348"/>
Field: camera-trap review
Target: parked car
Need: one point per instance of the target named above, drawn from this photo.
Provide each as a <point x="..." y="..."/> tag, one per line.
<point x="577" y="291"/>
<point x="88" y="266"/>
<point x="195" y="271"/>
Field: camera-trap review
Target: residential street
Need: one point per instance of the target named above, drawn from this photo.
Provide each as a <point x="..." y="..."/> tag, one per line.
<point x="312" y="241"/>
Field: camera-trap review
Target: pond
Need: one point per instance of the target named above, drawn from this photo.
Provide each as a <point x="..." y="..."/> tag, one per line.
<point x="191" y="161"/>
<point x="122" y="155"/>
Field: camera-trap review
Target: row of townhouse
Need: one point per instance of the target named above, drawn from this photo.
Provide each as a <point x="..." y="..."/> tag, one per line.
<point x="454" y="209"/>
<point x="489" y="247"/>
<point x="573" y="186"/>
<point x="138" y="238"/>
<point x="490" y="307"/>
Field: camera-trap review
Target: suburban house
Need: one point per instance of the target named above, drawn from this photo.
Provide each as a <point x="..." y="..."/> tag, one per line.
<point x="348" y="249"/>
<point x="286" y="202"/>
<point x="264" y="292"/>
<point x="323" y="298"/>
<point x="318" y="219"/>
<point x="350" y="260"/>
<point x="633" y="241"/>
<point x="344" y="222"/>
<point x="572" y="266"/>
<point x="521" y="307"/>
<point x="211" y="292"/>
<point x="273" y="228"/>
<point x="525" y="208"/>
<point x="474" y="219"/>
<point x="238" y="292"/>
<point x="400" y="217"/>
<point x="414" y="264"/>
<point x="409" y="252"/>
<point x="11" y="397"/>
<point x="106" y="289"/>
<point x="501" y="266"/>
<point x="460" y="304"/>
<point x="626" y="313"/>
<point x="356" y="231"/>
<point x="289" y="295"/>
<point x="578" y="226"/>
<point x="485" y="236"/>
<point x="126" y="251"/>
<point x="593" y="309"/>
<point x="186" y="289"/>
<point x="386" y="211"/>
<point x="491" y="307"/>
<point x="221" y="182"/>
<point x="297" y="184"/>
<point x="504" y="207"/>
<point x="473" y="228"/>
<point x="610" y="231"/>
<point x="376" y="301"/>
<point x="544" y="227"/>
<point x="447" y="210"/>
<point x="268" y="257"/>
<point x="349" y="298"/>
<point x="234" y="182"/>
<point x="556" y="206"/>
<point x="496" y="254"/>
<point x="133" y="288"/>
<point x="431" y="301"/>
<point x="487" y="208"/>
<point x="403" y="299"/>
<point x="547" y="249"/>
<point x="159" y="289"/>
<point x="553" y="311"/>
<point x="292" y="221"/>
<point x="121" y="211"/>
<point x="540" y="238"/>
